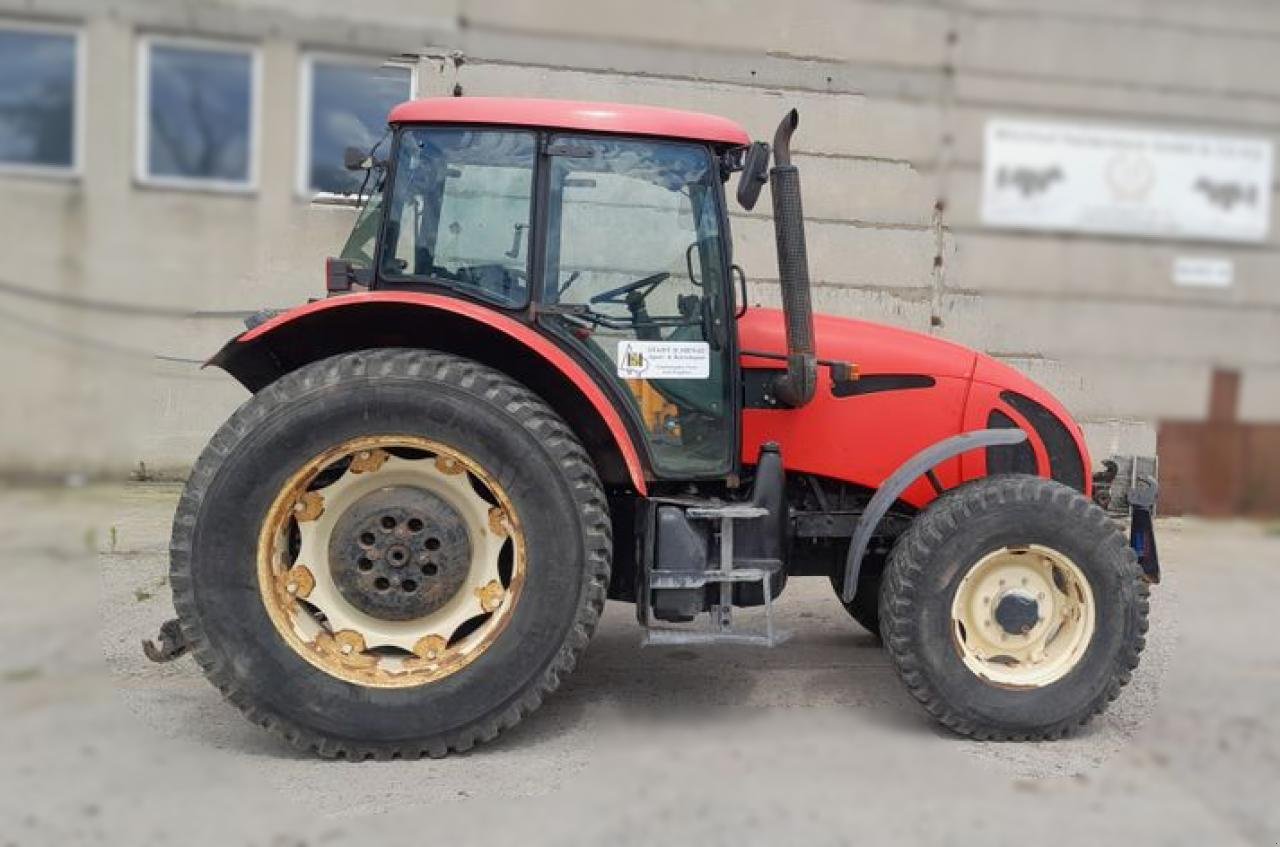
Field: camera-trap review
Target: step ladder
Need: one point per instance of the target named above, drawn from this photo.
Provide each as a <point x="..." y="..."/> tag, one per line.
<point x="730" y="571"/>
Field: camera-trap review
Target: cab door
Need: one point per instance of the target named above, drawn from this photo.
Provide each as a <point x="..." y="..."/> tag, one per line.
<point x="635" y="276"/>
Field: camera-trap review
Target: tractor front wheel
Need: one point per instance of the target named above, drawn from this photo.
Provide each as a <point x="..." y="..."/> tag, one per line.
<point x="390" y="553"/>
<point x="1013" y="609"/>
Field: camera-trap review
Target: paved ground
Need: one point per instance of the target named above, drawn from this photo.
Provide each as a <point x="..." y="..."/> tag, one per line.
<point x="813" y="742"/>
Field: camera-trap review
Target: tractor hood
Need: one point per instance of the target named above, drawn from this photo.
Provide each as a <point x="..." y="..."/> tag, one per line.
<point x="913" y="390"/>
<point x="882" y="349"/>
<point x="874" y="348"/>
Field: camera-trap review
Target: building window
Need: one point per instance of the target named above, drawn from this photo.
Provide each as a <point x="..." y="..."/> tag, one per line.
<point x="39" y="84"/>
<point x="197" y="118"/>
<point x="345" y="102"/>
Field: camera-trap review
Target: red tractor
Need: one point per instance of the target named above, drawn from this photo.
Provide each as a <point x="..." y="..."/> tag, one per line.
<point x="535" y="384"/>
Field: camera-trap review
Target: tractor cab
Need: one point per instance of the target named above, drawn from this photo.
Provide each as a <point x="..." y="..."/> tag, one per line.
<point x="616" y="245"/>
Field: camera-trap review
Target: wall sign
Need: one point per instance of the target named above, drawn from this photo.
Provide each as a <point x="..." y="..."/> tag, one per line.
<point x="1097" y="179"/>
<point x="1203" y="272"/>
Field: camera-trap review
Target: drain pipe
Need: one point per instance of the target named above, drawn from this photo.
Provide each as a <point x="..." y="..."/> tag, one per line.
<point x="794" y="388"/>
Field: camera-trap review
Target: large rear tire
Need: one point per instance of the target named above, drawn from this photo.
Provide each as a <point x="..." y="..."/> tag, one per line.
<point x="1013" y="609"/>
<point x="390" y="553"/>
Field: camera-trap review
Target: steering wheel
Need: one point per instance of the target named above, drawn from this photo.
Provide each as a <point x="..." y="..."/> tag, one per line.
<point x="616" y="295"/>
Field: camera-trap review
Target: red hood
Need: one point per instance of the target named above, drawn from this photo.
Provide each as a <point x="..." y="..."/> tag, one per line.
<point x="875" y="348"/>
<point x="969" y="386"/>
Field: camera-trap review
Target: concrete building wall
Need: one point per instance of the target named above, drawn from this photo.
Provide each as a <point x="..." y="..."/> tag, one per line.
<point x="893" y="98"/>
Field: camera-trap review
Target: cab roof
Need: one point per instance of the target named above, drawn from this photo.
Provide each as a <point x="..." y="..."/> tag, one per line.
<point x="572" y="115"/>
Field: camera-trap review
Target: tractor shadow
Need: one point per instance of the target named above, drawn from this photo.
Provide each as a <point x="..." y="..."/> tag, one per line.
<point x="828" y="661"/>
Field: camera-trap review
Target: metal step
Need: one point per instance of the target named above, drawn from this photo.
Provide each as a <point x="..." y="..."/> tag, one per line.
<point x="721" y="629"/>
<point x="697" y="579"/>
<point x="729" y="512"/>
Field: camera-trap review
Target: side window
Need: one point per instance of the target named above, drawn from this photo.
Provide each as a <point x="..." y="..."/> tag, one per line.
<point x="634" y="244"/>
<point x="197" y="118"/>
<point x="38" y="73"/>
<point x="363" y="240"/>
<point x="460" y="210"/>
<point x="345" y="104"/>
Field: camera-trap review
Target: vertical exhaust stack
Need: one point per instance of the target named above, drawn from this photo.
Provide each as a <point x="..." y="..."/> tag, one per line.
<point x="795" y="388"/>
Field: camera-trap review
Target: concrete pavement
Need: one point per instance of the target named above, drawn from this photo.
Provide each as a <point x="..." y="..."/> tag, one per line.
<point x="814" y="741"/>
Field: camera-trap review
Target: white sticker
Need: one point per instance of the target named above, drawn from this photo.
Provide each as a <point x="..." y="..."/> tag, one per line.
<point x="664" y="359"/>
<point x="1203" y="272"/>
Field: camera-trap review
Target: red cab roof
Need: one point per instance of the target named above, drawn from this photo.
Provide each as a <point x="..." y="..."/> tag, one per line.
<point x="572" y="115"/>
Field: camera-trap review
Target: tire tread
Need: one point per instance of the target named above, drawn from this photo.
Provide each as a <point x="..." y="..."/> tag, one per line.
<point x="525" y="409"/>
<point x="944" y="518"/>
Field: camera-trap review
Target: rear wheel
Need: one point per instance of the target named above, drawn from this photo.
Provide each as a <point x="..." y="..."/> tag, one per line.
<point x="390" y="553"/>
<point x="1013" y="609"/>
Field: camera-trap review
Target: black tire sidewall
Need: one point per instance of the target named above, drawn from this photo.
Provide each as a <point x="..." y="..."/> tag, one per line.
<point x="945" y="564"/>
<point x="224" y="580"/>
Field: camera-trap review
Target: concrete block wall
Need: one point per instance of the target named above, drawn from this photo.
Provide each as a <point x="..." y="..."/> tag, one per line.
<point x="893" y="98"/>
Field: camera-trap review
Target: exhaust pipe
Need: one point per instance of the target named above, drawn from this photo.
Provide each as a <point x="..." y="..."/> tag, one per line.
<point x="795" y="388"/>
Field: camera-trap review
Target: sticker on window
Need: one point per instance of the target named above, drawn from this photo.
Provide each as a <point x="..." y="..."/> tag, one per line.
<point x="664" y="360"/>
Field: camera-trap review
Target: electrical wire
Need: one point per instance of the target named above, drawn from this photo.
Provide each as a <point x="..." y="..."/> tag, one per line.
<point x="77" y="340"/>
<point x="114" y="307"/>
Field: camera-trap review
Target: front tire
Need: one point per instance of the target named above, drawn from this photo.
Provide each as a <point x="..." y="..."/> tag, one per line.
<point x="1013" y="609"/>
<point x="365" y="652"/>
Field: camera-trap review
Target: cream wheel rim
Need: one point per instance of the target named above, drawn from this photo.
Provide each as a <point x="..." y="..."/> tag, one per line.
<point x="321" y="602"/>
<point x="1023" y="616"/>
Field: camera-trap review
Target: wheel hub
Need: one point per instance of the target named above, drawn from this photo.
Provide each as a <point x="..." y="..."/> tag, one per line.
<point x="399" y="553"/>
<point x="1017" y="613"/>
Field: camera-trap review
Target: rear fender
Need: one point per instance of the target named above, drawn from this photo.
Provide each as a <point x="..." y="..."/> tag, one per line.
<point x="361" y="321"/>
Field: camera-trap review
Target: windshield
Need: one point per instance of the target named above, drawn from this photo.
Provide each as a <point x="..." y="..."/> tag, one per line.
<point x="460" y="209"/>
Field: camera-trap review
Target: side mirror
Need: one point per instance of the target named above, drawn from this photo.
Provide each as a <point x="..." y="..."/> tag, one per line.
<point x="755" y="172"/>
<point x="342" y="275"/>
<point x="356" y="159"/>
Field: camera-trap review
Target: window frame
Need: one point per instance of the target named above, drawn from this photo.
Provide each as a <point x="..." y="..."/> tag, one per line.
<point x="306" y="82"/>
<point x="78" y="89"/>
<point x="142" y="113"/>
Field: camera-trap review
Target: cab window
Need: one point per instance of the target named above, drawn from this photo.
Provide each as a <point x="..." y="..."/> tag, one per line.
<point x="459" y="211"/>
